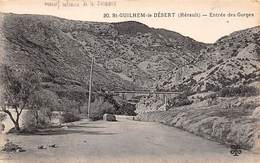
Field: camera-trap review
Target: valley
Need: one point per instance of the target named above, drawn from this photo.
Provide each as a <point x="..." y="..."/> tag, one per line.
<point x="209" y="89"/>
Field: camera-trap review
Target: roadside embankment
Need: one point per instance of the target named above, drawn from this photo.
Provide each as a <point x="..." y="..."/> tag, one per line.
<point x="229" y="122"/>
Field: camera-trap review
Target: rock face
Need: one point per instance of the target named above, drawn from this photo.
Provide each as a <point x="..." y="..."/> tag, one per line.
<point x="44" y="44"/>
<point x="218" y="123"/>
<point x="109" y="117"/>
<point x="127" y="54"/>
<point x="131" y="50"/>
<point x="232" y="60"/>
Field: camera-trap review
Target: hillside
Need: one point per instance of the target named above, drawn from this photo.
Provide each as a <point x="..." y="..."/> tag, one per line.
<point x="130" y="50"/>
<point x="128" y="55"/>
<point x="220" y="101"/>
<point x="232" y="60"/>
<point x="38" y="43"/>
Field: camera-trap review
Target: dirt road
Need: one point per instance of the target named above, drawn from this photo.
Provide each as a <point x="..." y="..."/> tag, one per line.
<point x="123" y="141"/>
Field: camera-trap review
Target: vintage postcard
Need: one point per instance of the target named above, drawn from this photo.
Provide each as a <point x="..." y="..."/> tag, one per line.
<point x="129" y="81"/>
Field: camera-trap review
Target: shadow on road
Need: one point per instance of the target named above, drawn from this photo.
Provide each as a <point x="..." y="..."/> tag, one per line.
<point x="65" y="132"/>
<point x="80" y="126"/>
<point x="61" y="131"/>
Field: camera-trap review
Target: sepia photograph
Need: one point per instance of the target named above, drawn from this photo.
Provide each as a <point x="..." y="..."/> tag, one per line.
<point x="129" y="81"/>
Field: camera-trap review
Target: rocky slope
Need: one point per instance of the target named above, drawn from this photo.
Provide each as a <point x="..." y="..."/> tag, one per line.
<point x="37" y="43"/>
<point x="131" y="53"/>
<point x="130" y="50"/>
<point x="229" y="121"/>
<point x="232" y="60"/>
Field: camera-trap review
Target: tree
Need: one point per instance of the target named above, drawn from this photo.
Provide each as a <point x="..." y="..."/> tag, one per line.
<point x="42" y="102"/>
<point x="16" y="87"/>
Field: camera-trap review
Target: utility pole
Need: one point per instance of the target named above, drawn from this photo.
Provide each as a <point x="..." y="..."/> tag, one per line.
<point x="90" y="87"/>
<point x="165" y="101"/>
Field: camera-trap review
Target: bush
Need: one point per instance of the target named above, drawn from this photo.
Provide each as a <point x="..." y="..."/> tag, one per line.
<point x="97" y="115"/>
<point x="249" y="106"/>
<point x="179" y="100"/>
<point x="11" y="147"/>
<point x="70" y="117"/>
<point x="100" y="110"/>
<point x="241" y="90"/>
<point x="41" y="104"/>
<point x="126" y="109"/>
<point x="212" y="101"/>
<point x="68" y="105"/>
<point x="35" y="119"/>
<point x="111" y="105"/>
<point x="29" y="120"/>
<point x="222" y="48"/>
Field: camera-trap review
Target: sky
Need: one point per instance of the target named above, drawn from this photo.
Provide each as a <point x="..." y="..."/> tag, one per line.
<point x="205" y="29"/>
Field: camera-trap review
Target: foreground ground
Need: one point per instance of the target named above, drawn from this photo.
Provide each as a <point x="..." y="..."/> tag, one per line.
<point x="122" y="141"/>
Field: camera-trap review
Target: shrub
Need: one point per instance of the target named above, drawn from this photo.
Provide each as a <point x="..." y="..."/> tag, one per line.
<point x="12" y="147"/>
<point x="249" y="106"/>
<point x="230" y="44"/>
<point x="68" y="105"/>
<point x="108" y="105"/>
<point x="41" y="104"/>
<point x="70" y="117"/>
<point x="241" y="90"/>
<point x="34" y="119"/>
<point x="179" y="100"/>
<point x="220" y="61"/>
<point x="234" y="53"/>
<point x="126" y="109"/>
<point x="100" y="110"/>
<point x="29" y="120"/>
<point x="210" y="66"/>
<point x="212" y="101"/>
<point x="111" y="105"/>
<point x="97" y="115"/>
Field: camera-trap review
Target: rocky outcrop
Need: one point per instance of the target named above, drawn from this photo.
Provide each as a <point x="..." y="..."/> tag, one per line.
<point x="150" y="104"/>
<point x="219" y="123"/>
<point x="230" y="61"/>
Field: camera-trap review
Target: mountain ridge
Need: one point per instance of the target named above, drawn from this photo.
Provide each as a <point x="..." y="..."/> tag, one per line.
<point x="130" y="51"/>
